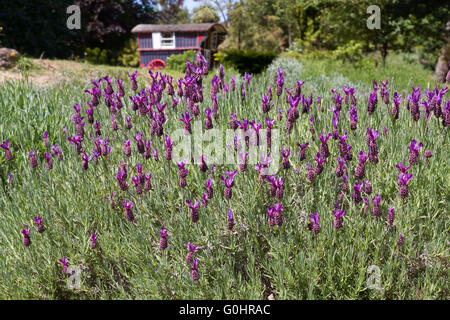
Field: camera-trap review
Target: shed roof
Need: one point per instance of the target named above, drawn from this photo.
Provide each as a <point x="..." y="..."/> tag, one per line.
<point x="187" y="27"/>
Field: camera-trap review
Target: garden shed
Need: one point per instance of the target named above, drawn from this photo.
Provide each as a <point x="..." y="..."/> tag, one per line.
<point x="156" y="42"/>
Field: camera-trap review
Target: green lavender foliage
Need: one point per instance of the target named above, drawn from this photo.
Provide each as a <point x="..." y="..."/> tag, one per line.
<point x="252" y="261"/>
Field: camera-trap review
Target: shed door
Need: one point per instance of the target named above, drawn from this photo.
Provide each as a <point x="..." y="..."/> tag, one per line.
<point x="156" y="39"/>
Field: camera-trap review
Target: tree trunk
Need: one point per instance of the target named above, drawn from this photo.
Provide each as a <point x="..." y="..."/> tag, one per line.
<point x="442" y="65"/>
<point x="289" y="35"/>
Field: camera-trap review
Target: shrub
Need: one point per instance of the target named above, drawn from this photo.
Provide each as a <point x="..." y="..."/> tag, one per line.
<point x="246" y="60"/>
<point x="177" y="61"/>
<point x="96" y="55"/>
<point x="349" y="52"/>
<point x="129" y="56"/>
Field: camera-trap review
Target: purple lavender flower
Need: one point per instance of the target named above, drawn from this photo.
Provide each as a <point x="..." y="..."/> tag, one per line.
<point x="128" y="206"/>
<point x="302" y="152"/>
<point x="366" y="205"/>
<point x="127" y="148"/>
<point x="391" y="216"/>
<point x="353" y="118"/>
<point x="168" y="144"/>
<point x="357" y="192"/>
<point x="233" y="121"/>
<point x="243" y="162"/>
<point x="194" y="273"/>
<point x="400" y="240"/>
<point x="38" y="221"/>
<point x="137" y="184"/>
<point x="315" y="220"/>
<point x="280" y="81"/>
<point x="340" y="168"/>
<point x="271" y="216"/>
<point x="229" y="183"/>
<point x="278" y="208"/>
<point x="186" y="119"/>
<point x="93" y="237"/>
<point x="33" y="161"/>
<point x="85" y="161"/>
<point x="319" y="160"/>
<point x="311" y="173"/>
<point x="182" y="170"/>
<point x="360" y="168"/>
<point x="64" y="263"/>
<point x="56" y="151"/>
<point x="402" y="167"/>
<point x="6" y="146"/>
<point x="285" y="154"/>
<point x="324" y="146"/>
<point x="403" y="179"/>
<point x="191" y="251"/>
<point x="414" y="149"/>
<point x="372" y="102"/>
<point x="115" y="127"/>
<point x="367" y="187"/>
<point x="265" y="104"/>
<point x="395" y="109"/>
<point x="147" y="182"/>
<point x="230" y="222"/>
<point x="203" y="166"/>
<point x="140" y="143"/>
<point x="376" y="212"/>
<point x="26" y="237"/>
<point x="194" y="210"/>
<point x="338" y="214"/>
<point x="163" y="239"/>
<point x="209" y="189"/>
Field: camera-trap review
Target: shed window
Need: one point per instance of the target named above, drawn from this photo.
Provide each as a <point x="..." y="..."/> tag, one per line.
<point x="167" y="39"/>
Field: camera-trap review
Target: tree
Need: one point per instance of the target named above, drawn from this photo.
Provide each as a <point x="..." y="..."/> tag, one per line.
<point x="443" y="63"/>
<point x="205" y="14"/>
<point x="222" y="7"/>
<point x="171" y="12"/>
<point x="105" y="24"/>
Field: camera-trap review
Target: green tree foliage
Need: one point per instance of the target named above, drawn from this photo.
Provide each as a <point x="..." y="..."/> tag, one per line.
<point x="205" y="14"/>
<point x="406" y="25"/>
<point x="171" y="12"/>
<point x="246" y="60"/>
<point x="39" y="27"/>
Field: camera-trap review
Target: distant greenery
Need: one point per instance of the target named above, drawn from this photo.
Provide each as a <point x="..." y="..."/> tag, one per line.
<point x="332" y="25"/>
<point x="129" y="57"/>
<point x="177" y="62"/>
<point x="246" y="60"/>
<point x="400" y="68"/>
<point x="96" y="55"/>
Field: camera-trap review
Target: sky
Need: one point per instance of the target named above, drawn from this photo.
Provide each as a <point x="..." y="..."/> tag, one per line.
<point x="191" y="4"/>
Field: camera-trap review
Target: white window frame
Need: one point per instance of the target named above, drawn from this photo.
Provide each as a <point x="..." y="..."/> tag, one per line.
<point x="168" y="42"/>
<point x="156" y="40"/>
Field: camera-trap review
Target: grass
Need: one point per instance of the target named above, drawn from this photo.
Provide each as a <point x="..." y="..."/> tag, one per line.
<point x="251" y="262"/>
<point x="402" y="69"/>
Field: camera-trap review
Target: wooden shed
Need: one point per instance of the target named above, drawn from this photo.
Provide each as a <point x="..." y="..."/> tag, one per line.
<point x="156" y="42"/>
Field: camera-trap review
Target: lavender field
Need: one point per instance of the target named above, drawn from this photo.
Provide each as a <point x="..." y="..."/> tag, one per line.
<point x="99" y="199"/>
